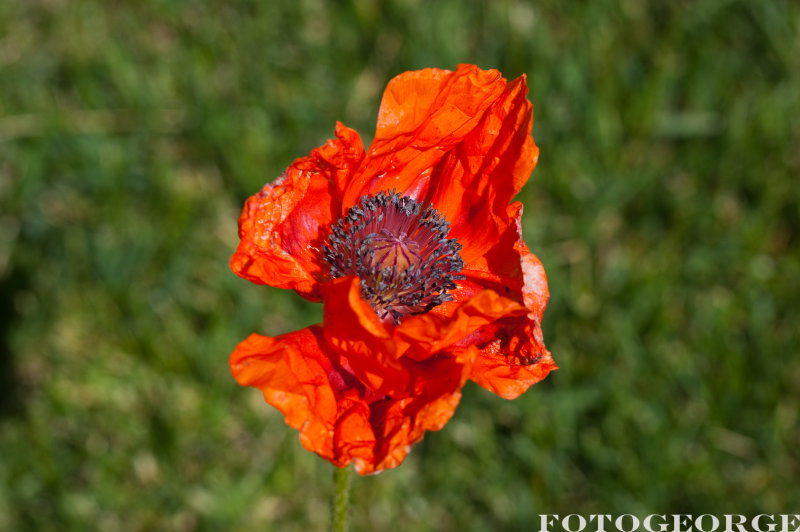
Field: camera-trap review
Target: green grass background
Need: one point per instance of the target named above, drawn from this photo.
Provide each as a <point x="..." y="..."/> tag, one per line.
<point x="665" y="207"/>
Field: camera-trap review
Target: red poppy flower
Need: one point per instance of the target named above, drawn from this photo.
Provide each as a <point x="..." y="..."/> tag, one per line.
<point x="415" y="250"/>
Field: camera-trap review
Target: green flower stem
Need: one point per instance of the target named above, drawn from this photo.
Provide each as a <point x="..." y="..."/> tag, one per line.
<point x="341" y="499"/>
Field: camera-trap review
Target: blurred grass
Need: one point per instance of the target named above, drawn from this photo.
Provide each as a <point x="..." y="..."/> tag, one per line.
<point x="665" y="208"/>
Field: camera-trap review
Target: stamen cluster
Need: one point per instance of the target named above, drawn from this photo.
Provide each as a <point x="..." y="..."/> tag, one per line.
<point x="399" y="250"/>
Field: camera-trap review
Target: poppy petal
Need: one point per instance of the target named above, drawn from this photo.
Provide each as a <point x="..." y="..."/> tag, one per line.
<point x="402" y="421"/>
<point x="513" y="362"/>
<point x="282" y="228"/>
<point x="297" y="377"/>
<point x="513" y="356"/>
<point x="423" y="115"/>
<point x="376" y="350"/>
<point x="338" y="418"/>
<point x="473" y="184"/>
<point x="459" y="140"/>
<point x="429" y="333"/>
<point x="354" y="330"/>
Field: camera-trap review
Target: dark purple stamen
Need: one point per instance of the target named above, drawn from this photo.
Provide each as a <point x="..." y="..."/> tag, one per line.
<point x="400" y="252"/>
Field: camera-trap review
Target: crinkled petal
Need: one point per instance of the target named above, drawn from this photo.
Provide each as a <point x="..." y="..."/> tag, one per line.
<point x="429" y="333"/>
<point x="513" y="362"/>
<point x="459" y="140"/>
<point x="338" y="418"/>
<point x="378" y="353"/>
<point x="512" y="356"/>
<point x="473" y="184"/>
<point x="424" y="114"/>
<point x="297" y="376"/>
<point x="403" y="421"/>
<point x="354" y="330"/>
<point x="283" y="227"/>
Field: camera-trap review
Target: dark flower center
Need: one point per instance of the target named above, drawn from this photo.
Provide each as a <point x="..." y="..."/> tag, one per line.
<point x="399" y="250"/>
